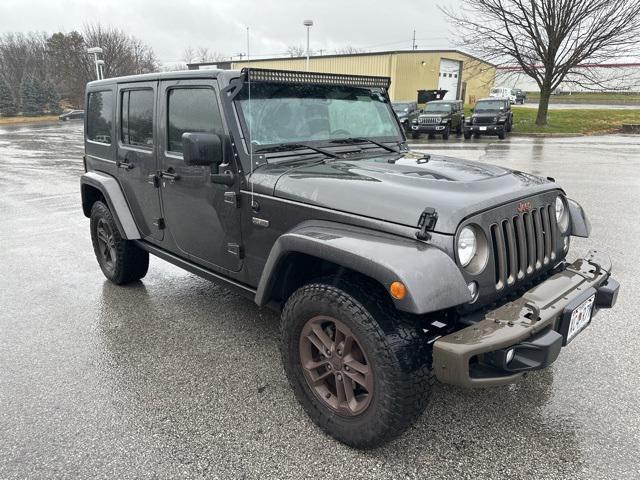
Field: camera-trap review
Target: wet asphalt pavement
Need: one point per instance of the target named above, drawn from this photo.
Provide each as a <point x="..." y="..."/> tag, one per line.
<point x="175" y="377"/>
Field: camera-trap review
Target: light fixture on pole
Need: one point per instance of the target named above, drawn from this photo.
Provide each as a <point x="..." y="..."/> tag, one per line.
<point x="308" y="24"/>
<point x="95" y="51"/>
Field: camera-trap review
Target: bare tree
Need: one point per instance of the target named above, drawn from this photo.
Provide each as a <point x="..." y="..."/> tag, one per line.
<point x="548" y="39"/>
<point x="349" y="50"/>
<point x="202" y="55"/>
<point x="296" y="51"/>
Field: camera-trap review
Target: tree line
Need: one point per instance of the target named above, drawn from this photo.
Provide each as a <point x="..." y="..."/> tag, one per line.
<point x="40" y="72"/>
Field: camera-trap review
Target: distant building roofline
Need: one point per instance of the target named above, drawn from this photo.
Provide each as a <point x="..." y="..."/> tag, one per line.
<point x="195" y="66"/>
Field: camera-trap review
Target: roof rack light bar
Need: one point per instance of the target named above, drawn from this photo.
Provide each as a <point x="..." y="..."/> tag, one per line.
<point x="291" y="76"/>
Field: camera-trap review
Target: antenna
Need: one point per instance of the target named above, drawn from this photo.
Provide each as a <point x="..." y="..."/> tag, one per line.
<point x="250" y="120"/>
<point x="413" y="45"/>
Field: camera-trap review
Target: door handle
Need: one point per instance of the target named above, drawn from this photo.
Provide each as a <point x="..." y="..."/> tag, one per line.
<point x="126" y="163"/>
<point x="170" y="174"/>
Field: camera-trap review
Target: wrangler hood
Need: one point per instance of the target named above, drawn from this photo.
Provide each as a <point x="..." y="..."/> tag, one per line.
<point x="399" y="192"/>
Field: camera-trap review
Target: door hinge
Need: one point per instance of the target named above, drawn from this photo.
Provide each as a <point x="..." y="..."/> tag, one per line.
<point x="154" y="180"/>
<point x="235" y="249"/>
<point x="426" y="223"/>
<point x="159" y="223"/>
<point x="232" y="198"/>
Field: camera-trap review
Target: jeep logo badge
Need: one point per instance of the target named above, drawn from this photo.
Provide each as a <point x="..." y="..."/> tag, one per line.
<point x="524" y="207"/>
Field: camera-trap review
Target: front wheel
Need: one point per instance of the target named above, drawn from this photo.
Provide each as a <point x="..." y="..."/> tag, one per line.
<point x="360" y="383"/>
<point x="502" y="135"/>
<point x="121" y="260"/>
<point x="447" y="132"/>
<point x="467" y="135"/>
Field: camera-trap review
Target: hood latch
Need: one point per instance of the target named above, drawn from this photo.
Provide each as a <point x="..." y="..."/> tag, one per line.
<point x="427" y="223"/>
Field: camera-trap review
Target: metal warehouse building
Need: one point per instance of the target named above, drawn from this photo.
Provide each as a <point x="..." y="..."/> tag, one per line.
<point x="464" y="76"/>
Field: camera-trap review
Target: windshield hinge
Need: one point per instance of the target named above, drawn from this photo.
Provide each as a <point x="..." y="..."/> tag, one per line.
<point x="427" y="223"/>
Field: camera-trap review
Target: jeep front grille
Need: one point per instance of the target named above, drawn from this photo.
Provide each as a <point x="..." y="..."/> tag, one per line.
<point x="429" y="120"/>
<point x="483" y="120"/>
<point x="523" y="244"/>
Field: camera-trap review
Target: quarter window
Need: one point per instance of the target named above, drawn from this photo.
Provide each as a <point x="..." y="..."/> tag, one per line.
<point x="136" y="118"/>
<point x="191" y="110"/>
<point x="99" y="116"/>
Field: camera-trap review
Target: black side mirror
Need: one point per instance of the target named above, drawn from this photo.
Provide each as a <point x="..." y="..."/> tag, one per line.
<point x="203" y="149"/>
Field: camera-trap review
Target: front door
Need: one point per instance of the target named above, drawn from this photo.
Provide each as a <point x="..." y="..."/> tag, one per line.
<point x="203" y="223"/>
<point x="136" y="157"/>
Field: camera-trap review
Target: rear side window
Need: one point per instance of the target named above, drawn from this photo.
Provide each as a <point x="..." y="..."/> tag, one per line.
<point x="191" y="110"/>
<point x="99" y="116"/>
<point x="136" y="118"/>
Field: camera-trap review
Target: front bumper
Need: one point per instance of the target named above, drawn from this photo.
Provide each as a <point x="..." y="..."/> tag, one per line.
<point x="435" y="128"/>
<point x="485" y="129"/>
<point x="475" y="355"/>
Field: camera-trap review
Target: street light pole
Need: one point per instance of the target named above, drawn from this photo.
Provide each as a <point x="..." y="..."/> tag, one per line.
<point x="308" y="24"/>
<point x="95" y="51"/>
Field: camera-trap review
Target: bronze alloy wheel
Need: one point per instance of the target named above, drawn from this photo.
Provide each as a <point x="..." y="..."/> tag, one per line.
<point x="335" y="366"/>
<point x="106" y="243"/>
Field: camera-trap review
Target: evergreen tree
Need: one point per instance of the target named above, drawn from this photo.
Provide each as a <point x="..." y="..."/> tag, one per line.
<point x="33" y="100"/>
<point x="7" y="104"/>
<point x="52" y="97"/>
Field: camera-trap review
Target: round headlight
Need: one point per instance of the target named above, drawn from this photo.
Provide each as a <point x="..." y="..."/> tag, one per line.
<point x="467" y="245"/>
<point x="562" y="215"/>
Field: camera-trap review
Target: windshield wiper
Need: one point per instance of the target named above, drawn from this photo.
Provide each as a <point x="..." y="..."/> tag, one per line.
<point x="287" y="147"/>
<point x="355" y="140"/>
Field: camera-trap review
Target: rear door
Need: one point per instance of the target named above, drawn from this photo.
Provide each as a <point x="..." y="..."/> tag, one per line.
<point x="136" y="156"/>
<point x="202" y="217"/>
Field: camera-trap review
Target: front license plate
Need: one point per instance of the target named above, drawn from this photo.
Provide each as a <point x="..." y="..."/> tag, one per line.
<point x="482" y="129"/>
<point x="580" y="318"/>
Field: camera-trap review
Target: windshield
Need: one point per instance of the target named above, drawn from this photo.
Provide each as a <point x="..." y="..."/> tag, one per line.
<point x="489" y="105"/>
<point x="280" y="113"/>
<point x="402" y="107"/>
<point x="437" y="107"/>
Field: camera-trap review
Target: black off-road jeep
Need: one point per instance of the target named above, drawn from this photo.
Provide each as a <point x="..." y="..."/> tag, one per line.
<point x="298" y="191"/>
<point x="440" y="117"/>
<point x="490" y="116"/>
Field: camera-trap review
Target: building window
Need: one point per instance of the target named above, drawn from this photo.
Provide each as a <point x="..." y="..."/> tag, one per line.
<point x="191" y="110"/>
<point x="99" y="116"/>
<point x="136" y="118"/>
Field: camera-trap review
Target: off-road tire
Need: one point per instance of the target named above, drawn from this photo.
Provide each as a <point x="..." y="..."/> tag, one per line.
<point x="130" y="262"/>
<point x="509" y="125"/>
<point x="447" y="132"/>
<point x="467" y="135"/>
<point x="396" y="349"/>
<point x="502" y="135"/>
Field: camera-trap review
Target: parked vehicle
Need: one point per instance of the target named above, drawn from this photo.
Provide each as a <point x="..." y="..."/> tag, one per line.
<point x="387" y="265"/>
<point x="72" y="115"/>
<point x="491" y="116"/>
<point x="438" y="117"/>
<point x="520" y="96"/>
<point x="503" y="92"/>
<point x="404" y="110"/>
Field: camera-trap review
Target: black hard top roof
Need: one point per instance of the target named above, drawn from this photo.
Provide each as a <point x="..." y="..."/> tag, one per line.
<point x="179" y="75"/>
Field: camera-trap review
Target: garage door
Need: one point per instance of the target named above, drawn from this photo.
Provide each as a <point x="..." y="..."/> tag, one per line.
<point x="449" y="78"/>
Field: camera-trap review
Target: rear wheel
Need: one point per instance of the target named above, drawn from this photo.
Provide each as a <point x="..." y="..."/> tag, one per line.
<point x="121" y="260"/>
<point x="362" y="383"/>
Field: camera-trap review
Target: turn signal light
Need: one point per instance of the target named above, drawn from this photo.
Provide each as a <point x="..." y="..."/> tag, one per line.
<point x="397" y="290"/>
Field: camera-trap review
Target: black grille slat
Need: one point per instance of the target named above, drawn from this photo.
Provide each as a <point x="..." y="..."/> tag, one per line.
<point x="537" y="227"/>
<point x="523" y="244"/>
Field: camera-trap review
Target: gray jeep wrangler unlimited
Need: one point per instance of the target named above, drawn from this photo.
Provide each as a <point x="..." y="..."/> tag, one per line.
<point x="297" y="190"/>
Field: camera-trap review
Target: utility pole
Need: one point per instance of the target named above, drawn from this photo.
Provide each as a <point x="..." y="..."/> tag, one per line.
<point x="413" y="45"/>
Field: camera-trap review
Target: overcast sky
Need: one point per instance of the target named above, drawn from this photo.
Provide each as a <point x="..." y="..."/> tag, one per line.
<point x="171" y="25"/>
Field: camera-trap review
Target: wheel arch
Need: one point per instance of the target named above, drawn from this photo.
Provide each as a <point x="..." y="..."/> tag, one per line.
<point x="98" y="186"/>
<point x="313" y="249"/>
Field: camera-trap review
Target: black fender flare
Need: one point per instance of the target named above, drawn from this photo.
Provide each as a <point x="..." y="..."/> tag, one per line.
<point x="580" y="225"/>
<point x="432" y="279"/>
<point x="111" y="191"/>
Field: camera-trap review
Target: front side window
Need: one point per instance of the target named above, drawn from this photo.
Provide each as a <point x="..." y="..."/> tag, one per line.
<point x="136" y="118"/>
<point x="278" y="113"/>
<point x="99" y="116"/>
<point x="193" y="110"/>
